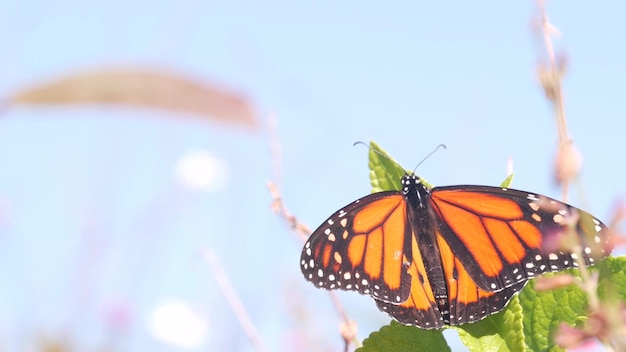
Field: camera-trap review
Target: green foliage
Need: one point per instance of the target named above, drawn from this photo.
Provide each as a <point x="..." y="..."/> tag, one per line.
<point x="507" y="181"/>
<point x="385" y="172"/>
<point x="545" y="310"/>
<point x="527" y="323"/>
<point x="500" y="332"/>
<point x="396" y="337"/>
<point x="612" y="280"/>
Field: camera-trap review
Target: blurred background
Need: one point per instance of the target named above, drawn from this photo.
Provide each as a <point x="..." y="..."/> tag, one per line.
<point x="108" y="211"/>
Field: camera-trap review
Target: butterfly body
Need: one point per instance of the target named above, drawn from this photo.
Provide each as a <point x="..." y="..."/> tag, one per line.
<point x="447" y="255"/>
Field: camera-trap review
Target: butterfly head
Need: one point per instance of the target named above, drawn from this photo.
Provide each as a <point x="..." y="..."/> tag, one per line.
<point x="410" y="179"/>
<point x="414" y="189"/>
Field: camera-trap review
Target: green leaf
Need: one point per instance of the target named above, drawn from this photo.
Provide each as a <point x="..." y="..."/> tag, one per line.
<point x="507" y="181"/>
<point x="385" y="172"/>
<point x="500" y="332"/>
<point x="544" y="311"/>
<point x="612" y="280"/>
<point x="396" y="337"/>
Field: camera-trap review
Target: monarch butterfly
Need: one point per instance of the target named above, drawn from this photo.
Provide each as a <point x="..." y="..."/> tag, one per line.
<point x="447" y="255"/>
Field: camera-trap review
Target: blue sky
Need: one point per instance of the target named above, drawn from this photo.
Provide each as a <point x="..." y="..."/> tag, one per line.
<point x="93" y="219"/>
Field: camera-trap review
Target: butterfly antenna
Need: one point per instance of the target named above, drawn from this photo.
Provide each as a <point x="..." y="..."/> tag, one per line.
<point x="379" y="153"/>
<point x="428" y="156"/>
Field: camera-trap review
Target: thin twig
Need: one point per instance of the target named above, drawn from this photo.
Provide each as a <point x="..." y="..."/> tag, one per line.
<point x="349" y="327"/>
<point x="348" y="332"/>
<point x="568" y="160"/>
<point x="279" y="207"/>
<point x="552" y="83"/>
<point x="548" y="30"/>
<point x="233" y="299"/>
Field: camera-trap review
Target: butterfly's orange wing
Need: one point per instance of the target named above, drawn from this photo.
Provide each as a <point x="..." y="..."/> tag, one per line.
<point x="501" y="235"/>
<point x="465" y="303"/>
<point x="420" y="308"/>
<point x="363" y="247"/>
